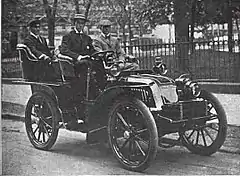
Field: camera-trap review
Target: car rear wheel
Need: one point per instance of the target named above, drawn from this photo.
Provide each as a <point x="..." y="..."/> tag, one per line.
<point x="41" y="121"/>
<point x="207" y="136"/>
<point x="132" y="134"/>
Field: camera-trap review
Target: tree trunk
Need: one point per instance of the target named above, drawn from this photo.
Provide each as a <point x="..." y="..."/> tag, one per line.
<point x="124" y="37"/>
<point x="51" y="32"/>
<point x="88" y="8"/>
<point x="50" y="13"/>
<point x="181" y="35"/>
<point x="230" y="27"/>
<point x="130" y="30"/>
<point x="76" y="6"/>
<point x="193" y="14"/>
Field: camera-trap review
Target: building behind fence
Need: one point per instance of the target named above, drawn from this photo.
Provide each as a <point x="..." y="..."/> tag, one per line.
<point x="204" y="59"/>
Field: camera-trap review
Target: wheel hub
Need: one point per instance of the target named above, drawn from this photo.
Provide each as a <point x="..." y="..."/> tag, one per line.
<point x="35" y="120"/>
<point x="126" y="134"/>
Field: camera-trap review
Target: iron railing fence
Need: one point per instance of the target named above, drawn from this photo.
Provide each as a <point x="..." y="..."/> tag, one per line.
<point x="203" y="59"/>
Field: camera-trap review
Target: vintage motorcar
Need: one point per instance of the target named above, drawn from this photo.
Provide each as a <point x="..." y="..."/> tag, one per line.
<point x="133" y="111"/>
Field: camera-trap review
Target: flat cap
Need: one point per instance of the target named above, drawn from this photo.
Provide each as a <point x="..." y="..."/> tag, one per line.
<point x="34" y="23"/>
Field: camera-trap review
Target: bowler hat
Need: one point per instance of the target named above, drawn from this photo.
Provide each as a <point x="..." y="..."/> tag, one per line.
<point x="34" y="23"/>
<point x="80" y="16"/>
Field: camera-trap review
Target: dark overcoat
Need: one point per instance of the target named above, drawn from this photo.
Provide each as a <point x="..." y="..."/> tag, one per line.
<point x="37" y="48"/>
<point x="75" y="44"/>
<point x="40" y="70"/>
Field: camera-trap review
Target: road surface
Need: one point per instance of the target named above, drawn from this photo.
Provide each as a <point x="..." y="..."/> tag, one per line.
<point x="72" y="156"/>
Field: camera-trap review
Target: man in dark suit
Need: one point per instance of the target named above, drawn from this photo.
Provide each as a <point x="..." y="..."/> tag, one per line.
<point x="38" y="46"/>
<point x="78" y="45"/>
<point x="105" y="41"/>
<point x="36" y="43"/>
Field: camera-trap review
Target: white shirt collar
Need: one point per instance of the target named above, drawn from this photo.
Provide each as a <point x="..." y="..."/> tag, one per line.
<point x="36" y="36"/>
<point x="78" y="31"/>
<point x="105" y="35"/>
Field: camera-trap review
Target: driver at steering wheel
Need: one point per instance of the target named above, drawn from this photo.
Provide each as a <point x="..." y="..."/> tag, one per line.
<point x="105" y="41"/>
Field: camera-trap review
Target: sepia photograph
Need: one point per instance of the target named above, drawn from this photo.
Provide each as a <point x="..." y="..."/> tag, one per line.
<point x="120" y="87"/>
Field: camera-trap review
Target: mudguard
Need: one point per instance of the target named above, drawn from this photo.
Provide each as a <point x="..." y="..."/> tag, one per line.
<point x="45" y="89"/>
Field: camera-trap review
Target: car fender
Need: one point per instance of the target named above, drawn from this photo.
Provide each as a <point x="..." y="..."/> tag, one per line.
<point x="45" y="89"/>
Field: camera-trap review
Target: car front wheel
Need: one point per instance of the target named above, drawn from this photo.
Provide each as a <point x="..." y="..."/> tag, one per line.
<point x="132" y="134"/>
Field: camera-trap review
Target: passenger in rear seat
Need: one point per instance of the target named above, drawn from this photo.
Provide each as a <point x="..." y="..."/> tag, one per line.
<point x="42" y="70"/>
<point x="36" y="43"/>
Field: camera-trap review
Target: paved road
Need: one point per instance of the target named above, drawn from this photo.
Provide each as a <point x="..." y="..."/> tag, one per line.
<point x="20" y="93"/>
<point x="72" y="156"/>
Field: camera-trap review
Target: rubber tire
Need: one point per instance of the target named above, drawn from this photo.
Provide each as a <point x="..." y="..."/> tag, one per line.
<point x="55" y="127"/>
<point x="151" y="127"/>
<point x="221" y="136"/>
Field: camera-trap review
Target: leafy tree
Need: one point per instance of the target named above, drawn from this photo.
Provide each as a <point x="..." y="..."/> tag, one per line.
<point x="86" y="4"/>
<point x="185" y="13"/>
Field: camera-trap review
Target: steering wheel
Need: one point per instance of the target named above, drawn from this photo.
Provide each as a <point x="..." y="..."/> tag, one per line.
<point x="103" y="53"/>
<point x="104" y="56"/>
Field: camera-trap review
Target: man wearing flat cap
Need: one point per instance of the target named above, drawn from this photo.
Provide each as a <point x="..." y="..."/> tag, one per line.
<point x="105" y="41"/>
<point x="36" y="43"/>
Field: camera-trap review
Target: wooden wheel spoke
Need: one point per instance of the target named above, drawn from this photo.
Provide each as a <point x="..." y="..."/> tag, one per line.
<point x="197" y="139"/>
<point x="207" y="132"/>
<point x="188" y="137"/>
<point x="122" y="120"/>
<point x="210" y="126"/>
<point x="140" y="148"/>
<point x="214" y="116"/>
<point x="49" y="117"/>
<point x="141" y="131"/>
<point x="43" y="134"/>
<point x="203" y="137"/>
<point x="210" y="107"/>
<point x="36" y="130"/>
<point x="141" y="139"/>
<point x="46" y="131"/>
<point x="48" y="125"/>
<point x="39" y="134"/>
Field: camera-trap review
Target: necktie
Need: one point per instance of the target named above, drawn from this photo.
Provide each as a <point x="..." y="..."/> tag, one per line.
<point x="107" y="37"/>
<point x="39" y="38"/>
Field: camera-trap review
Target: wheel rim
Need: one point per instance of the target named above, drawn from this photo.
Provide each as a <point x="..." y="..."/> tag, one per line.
<point x="129" y="137"/>
<point x="206" y="132"/>
<point x="39" y="121"/>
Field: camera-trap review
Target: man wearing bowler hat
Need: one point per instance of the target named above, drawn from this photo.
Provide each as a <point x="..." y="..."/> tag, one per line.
<point x="36" y="43"/>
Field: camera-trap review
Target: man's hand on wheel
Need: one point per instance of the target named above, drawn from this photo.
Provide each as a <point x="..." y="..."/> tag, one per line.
<point x="45" y="57"/>
<point x="80" y="57"/>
